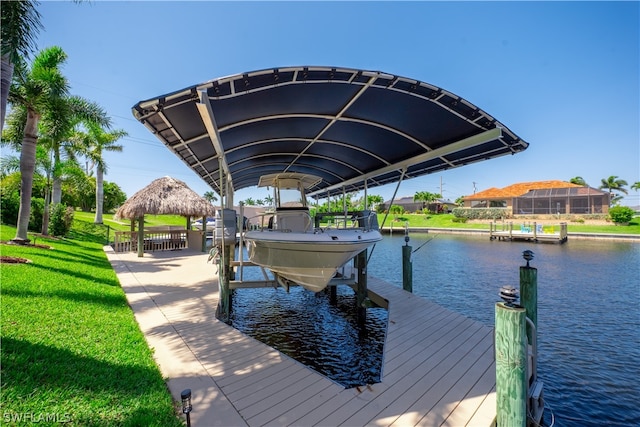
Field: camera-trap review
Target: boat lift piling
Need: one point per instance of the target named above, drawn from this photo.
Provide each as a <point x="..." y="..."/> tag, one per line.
<point x="407" y="263"/>
<point x="519" y="398"/>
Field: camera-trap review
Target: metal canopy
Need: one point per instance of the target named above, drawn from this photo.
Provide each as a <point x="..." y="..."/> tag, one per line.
<point x="342" y="125"/>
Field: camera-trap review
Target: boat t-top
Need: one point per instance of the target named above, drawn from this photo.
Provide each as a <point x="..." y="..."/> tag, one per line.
<point x="296" y="250"/>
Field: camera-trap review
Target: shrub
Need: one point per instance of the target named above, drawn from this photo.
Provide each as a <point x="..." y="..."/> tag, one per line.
<point x="36" y="214"/>
<point x="459" y="219"/>
<point x="621" y="214"/>
<point x="481" y="213"/>
<point x="10" y="202"/>
<point x="61" y="219"/>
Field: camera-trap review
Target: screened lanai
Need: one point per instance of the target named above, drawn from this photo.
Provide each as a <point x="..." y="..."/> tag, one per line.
<point x="555" y="201"/>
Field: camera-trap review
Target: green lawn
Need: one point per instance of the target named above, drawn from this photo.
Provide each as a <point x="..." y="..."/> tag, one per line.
<point x="446" y="221"/>
<point x="71" y="348"/>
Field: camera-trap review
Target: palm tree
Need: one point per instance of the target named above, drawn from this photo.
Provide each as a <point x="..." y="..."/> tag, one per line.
<point x="97" y="141"/>
<point x="19" y="27"/>
<point x="35" y="89"/>
<point x="425" y="197"/>
<point x="614" y="184"/>
<point x="578" y="180"/>
<point x="635" y="186"/>
<point x="57" y="130"/>
<point x="211" y="197"/>
<point x="373" y="200"/>
<point x="268" y="200"/>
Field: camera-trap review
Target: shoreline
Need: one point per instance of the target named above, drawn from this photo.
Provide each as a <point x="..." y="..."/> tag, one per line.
<point x="473" y="231"/>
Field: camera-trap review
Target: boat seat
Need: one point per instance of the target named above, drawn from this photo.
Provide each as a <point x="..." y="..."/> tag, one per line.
<point x="297" y="221"/>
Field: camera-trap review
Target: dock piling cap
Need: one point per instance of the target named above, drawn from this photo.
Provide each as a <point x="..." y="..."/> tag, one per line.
<point x="509" y="295"/>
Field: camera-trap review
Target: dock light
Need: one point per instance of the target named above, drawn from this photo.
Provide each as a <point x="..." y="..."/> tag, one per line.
<point x="528" y="256"/>
<point x="186" y="404"/>
<point x="406" y="233"/>
<point x="509" y="295"/>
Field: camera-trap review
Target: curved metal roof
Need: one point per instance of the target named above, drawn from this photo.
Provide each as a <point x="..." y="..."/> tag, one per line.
<point x="346" y="126"/>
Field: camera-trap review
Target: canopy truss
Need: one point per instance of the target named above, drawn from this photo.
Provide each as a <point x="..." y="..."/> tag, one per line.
<point x="352" y="128"/>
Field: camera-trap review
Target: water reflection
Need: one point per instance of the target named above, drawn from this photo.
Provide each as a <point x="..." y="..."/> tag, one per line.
<point x="306" y="327"/>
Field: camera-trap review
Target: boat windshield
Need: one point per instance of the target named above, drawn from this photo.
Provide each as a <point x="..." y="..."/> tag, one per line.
<point x="290" y="197"/>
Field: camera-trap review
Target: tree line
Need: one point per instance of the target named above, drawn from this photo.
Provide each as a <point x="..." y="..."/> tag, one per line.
<point x="52" y="130"/>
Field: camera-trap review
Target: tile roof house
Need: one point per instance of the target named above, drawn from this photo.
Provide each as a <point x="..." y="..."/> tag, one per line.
<point x="543" y="198"/>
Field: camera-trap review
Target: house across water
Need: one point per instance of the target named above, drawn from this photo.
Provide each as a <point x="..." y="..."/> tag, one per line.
<point x="542" y="198"/>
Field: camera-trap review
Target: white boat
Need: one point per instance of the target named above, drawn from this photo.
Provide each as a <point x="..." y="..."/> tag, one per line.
<point x="287" y="243"/>
<point x="211" y="224"/>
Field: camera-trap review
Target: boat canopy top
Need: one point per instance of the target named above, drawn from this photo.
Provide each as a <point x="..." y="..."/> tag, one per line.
<point x="351" y="128"/>
<point x="289" y="180"/>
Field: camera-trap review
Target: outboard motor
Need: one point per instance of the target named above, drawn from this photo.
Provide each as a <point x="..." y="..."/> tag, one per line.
<point x="368" y="220"/>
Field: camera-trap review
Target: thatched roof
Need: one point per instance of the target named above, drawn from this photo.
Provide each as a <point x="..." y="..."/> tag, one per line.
<point x="165" y="196"/>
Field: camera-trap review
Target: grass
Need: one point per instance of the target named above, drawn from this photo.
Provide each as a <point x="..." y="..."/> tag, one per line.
<point x="446" y="221"/>
<point x="71" y="348"/>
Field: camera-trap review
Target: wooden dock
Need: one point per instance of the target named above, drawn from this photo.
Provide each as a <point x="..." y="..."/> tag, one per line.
<point x="534" y="232"/>
<point x="438" y="366"/>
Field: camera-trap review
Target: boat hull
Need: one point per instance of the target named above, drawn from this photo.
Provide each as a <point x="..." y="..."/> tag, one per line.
<point x="309" y="259"/>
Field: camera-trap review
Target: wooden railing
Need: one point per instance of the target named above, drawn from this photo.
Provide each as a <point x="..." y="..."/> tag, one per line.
<point x="166" y="238"/>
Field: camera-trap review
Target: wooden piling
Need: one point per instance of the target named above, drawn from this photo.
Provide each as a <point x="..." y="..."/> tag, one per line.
<point x="529" y="295"/>
<point x="511" y="365"/>
<point x="333" y="295"/>
<point x="223" y="313"/>
<point x="407" y="269"/>
<point x="141" y="236"/>
<point x="362" y="293"/>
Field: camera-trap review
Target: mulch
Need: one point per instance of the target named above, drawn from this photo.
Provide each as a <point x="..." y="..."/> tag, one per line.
<point x="5" y="259"/>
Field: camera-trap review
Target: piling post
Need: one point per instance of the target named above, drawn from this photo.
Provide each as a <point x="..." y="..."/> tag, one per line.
<point x="224" y="303"/>
<point x="529" y="292"/>
<point x="141" y="236"/>
<point x="333" y="295"/>
<point x="511" y="365"/>
<point x="361" y="294"/>
<point x="407" y="265"/>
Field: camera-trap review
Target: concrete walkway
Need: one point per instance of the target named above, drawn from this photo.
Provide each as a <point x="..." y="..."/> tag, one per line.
<point x="155" y="287"/>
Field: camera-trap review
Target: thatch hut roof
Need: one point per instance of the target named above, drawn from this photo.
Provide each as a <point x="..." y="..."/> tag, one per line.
<point x="165" y="196"/>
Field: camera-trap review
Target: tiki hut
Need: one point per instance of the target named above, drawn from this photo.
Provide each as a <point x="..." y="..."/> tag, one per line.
<point x="164" y="196"/>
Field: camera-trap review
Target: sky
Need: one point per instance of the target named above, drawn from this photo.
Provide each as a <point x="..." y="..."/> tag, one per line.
<point x="564" y="76"/>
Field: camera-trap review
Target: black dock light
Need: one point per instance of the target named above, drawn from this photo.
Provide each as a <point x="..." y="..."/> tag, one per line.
<point x="528" y="256"/>
<point x="509" y="295"/>
<point x="406" y="233"/>
<point x="186" y="404"/>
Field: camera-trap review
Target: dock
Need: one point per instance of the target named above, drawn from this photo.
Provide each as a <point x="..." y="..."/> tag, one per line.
<point x="438" y="366"/>
<point x="534" y="232"/>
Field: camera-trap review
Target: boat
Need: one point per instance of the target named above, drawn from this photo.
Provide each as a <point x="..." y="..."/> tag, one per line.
<point x="210" y="224"/>
<point x="293" y="247"/>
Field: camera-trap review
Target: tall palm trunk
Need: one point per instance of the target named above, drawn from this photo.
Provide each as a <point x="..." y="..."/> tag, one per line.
<point x="27" y="167"/>
<point x="5" y="84"/>
<point x="56" y="192"/>
<point x="99" y="194"/>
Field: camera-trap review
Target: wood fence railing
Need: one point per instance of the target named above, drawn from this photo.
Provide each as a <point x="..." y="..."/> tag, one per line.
<point x="155" y="239"/>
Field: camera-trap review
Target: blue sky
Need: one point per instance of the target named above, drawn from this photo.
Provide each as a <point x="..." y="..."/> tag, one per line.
<point x="562" y="76"/>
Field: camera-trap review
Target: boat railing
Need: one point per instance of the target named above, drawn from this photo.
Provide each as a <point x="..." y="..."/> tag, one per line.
<point x="301" y="221"/>
<point x="365" y="220"/>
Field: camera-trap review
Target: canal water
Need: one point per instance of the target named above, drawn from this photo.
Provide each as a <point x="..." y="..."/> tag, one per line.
<point x="588" y="316"/>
